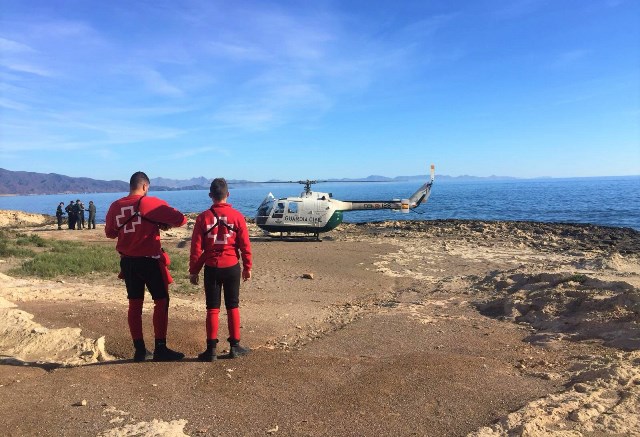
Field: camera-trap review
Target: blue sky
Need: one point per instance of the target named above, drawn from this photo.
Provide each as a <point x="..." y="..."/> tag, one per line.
<point x="260" y="90"/>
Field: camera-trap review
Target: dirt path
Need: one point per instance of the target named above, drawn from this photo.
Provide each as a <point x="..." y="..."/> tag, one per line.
<point x="443" y="329"/>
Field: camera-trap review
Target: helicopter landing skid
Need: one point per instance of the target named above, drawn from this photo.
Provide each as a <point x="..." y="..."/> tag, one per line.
<point x="297" y="237"/>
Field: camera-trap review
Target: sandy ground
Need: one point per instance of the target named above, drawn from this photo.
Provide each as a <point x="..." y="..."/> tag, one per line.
<point x="445" y="328"/>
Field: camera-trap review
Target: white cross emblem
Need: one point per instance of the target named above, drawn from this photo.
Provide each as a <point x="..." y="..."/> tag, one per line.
<point x="122" y="218"/>
<point x="223" y="233"/>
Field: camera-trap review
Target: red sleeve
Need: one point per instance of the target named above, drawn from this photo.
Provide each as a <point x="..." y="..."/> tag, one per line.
<point x="159" y="211"/>
<point x="196" y="258"/>
<point x="110" y="229"/>
<point x="242" y="237"/>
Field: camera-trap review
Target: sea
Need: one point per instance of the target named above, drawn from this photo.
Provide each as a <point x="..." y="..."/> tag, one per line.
<point x="607" y="201"/>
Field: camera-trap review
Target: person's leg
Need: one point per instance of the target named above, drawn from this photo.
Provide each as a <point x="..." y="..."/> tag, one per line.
<point x="212" y="291"/>
<point x="135" y="294"/>
<point x="160" y="293"/>
<point x="231" y="287"/>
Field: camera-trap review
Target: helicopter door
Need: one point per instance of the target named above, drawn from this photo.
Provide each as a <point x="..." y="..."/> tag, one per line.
<point x="278" y="211"/>
<point x="320" y="210"/>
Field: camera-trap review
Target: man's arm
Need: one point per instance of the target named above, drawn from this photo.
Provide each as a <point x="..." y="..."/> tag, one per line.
<point x="244" y="244"/>
<point x="161" y="212"/>
<point x="196" y="253"/>
<point x="109" y="228"/>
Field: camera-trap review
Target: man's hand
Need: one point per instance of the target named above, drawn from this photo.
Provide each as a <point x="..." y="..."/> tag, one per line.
<point x="246" y="275"/>
<point x="193" y="278"/>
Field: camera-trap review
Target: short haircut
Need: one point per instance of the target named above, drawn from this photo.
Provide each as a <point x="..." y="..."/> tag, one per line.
<point x="219" y="189"/>
<point x="138" y="178"/>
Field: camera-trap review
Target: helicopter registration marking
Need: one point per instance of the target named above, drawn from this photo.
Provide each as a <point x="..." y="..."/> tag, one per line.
<point x="377" y="205"/>
<point x="297" y="218"/>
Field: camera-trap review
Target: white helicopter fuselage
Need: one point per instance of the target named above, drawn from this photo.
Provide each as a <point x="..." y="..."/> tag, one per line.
<point x="316" y="212"/>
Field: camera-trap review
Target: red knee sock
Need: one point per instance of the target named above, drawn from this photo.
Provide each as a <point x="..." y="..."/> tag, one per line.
<point x="233" y="321"/>
<point x="212" y="323"/>
<point x="160" y="318"/>
<point x="134" y="317"/>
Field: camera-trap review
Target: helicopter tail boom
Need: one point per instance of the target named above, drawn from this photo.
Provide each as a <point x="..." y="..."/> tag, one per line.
<point x="420" y="196"/>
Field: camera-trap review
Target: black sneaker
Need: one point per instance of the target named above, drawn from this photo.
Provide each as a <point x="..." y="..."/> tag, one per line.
<point x="163" y="353"/>
<point x="238" y="351"/>
<point x="142" y="355"/>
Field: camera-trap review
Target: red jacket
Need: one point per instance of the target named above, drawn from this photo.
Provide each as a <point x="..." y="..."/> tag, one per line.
<point x="223" y="245"/>
<point x="140" y="236"/>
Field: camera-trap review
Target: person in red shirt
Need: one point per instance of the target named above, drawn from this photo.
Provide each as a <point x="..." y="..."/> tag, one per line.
<point x="220" y="237"/>
<point x="136" y="221"/>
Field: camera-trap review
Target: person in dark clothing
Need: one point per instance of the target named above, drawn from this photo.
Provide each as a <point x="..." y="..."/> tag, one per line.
<point x="80" y="214"/>
<point x="92" y="215"/>
<point x="70" y="208"/>
<point x="60" y="214"/>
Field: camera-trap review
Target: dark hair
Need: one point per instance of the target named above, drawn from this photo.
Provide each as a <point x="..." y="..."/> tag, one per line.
<point x="219" y="189"/>
<point x="137" y="179"/>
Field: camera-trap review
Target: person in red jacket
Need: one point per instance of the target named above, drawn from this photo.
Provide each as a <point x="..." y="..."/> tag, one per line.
<point x="136" y="221"/>
<point x="220" y="237"/>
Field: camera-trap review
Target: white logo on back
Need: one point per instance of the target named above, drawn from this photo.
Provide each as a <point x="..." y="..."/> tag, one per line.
<point x="122" y="218"/>
<point x="223" y="233"/>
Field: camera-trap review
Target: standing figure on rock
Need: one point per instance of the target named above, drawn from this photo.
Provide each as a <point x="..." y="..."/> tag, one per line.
<point x="81" y="210"/>
<point x="92" y="215"/>
<point x="60" y="214"/>
<point x="70" y="208"/>
<point x="220" y="237"/>
<point x="76" y="213"/>
<point x="136" y="221"/>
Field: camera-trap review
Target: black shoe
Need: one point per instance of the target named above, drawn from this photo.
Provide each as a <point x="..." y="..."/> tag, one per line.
<point x="142" y="355"/>
<point x="163" y="353"/>
<point x="208" y="356"/>
<point x="238" y="351"/>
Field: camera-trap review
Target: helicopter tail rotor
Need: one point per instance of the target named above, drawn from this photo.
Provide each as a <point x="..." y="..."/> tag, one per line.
<point x="423" y="193"/>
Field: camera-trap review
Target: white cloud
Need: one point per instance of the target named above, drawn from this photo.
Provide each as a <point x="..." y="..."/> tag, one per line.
<point x="240" y="52"/>
<point x="28" y="68"/>
<point x="187" y="153"/>
<point x="156" y="83"/>
<point x="10" y="46"/>
<point x="10" y="104"/>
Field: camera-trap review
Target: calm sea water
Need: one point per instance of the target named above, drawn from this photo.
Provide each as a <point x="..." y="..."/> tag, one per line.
<point x="611" y="201"/>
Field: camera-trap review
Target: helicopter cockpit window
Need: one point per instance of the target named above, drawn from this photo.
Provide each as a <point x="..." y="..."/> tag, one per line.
<point x="278" y="211"/>
<point x="293" y="207"/>
<point x="265" y="209"/>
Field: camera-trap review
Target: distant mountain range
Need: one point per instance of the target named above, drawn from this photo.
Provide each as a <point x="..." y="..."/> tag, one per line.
<point x="25" y="183"/>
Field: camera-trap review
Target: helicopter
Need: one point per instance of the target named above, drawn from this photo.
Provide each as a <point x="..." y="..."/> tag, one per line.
<point x="317" y="212"/>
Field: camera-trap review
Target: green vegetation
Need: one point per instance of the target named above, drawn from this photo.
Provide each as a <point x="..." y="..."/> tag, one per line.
<point x="576" y="277"/>
<point x="179" y="269"/>
<point x="49" y="259"/>
<point x="30" y="240"/>
<point x="79" y="261"/>
<point x="10" y="248"/>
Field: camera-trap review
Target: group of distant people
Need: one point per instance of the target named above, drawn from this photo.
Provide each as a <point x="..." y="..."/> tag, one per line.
<point x="75" y="212"/>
